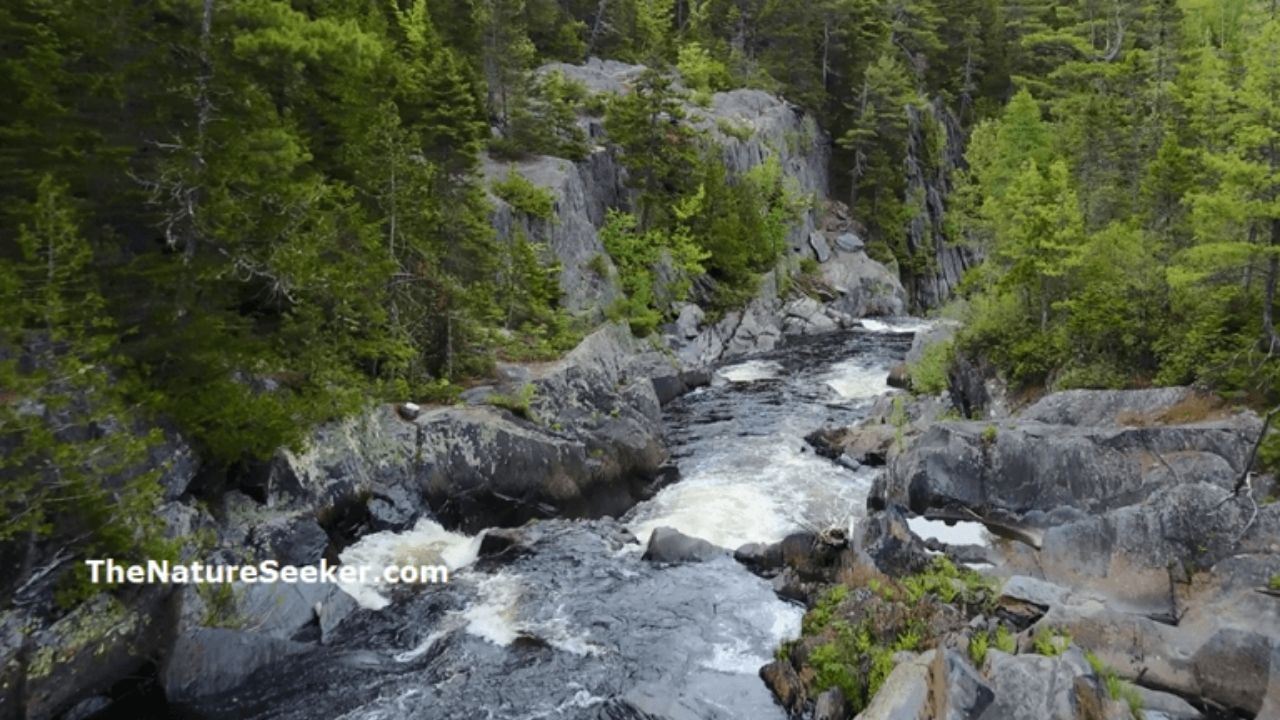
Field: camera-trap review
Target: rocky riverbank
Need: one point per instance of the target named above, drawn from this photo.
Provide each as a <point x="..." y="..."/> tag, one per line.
<point x="1130" y="569"/>
<point x="577" y="438"/>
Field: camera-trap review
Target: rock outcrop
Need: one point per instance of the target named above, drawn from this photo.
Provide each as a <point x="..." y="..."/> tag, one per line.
<point x="1131" y="542"/>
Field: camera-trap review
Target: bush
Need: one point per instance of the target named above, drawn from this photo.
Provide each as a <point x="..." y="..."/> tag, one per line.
<point x="929" y="374"/>
<point x="524" y="196"/>
<point x="1051" y="642"/>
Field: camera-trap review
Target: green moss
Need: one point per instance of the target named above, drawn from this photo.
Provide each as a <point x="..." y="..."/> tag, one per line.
<point x="1274" y="584"/>
<point x="524" y="196"/>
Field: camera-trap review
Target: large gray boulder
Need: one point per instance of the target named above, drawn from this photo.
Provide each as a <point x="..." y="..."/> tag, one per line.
<point x="864" y="286"/>
<point x="1023" y="466"/>
<point x="210" y="661"/>
<point x="668" y="545"/>
<point x="1035" y="687"/>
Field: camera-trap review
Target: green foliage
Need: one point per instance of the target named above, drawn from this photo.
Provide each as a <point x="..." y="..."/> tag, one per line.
<point x="74" y="448"/>
<point x="989" y="434"/>
<point x="700" y="70"/>
<point x="1051" y="642"/>
<point x="518" y="403"/>
<point x="929" y="375"/>
<point x="537" y="327"/>
<point x="1117" y="688"/>
<point x="742" y="133"/>
<point x="943" y="580"/>
<point x="524" y="196"/>
<point x="978" y="646"/>
<point x="544" y="120"/>
<point x="1274" y="583"/>
<point x="1004" y="640"/>
<point x="824" y="610"/>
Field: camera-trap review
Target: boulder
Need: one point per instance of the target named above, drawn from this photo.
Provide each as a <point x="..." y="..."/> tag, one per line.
<point x="831" y="705"/>
<point x="957" y="691"/>
<point x="782" y="679"/>
<point x="939" y="331"/>
<point x="864" y="286"/>
<point x="900" y="376"/>
<point x="209" y="661"/>
<point x="1035" y="686"/>
<point x="890" y="545"/>
<point x="291" y="539"/>
<point x="905" y="693"/>
<point x="821" y="250"/>
<point x="667" y="545"/>
<point x="850" y="243"/>
<point x="806" y="316"/>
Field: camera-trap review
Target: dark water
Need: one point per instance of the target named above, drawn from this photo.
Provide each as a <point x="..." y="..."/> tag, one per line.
<point x="578" y="626"/>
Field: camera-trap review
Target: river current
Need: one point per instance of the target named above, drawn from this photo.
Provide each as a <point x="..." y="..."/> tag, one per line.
<point x="577" y="625"/>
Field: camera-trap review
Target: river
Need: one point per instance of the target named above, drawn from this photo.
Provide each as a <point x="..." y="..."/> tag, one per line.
<point x="577" y="625"/>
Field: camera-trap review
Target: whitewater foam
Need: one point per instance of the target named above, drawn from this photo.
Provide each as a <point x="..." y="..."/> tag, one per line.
<point x="427" y="543"/>
<point x="747" y="372"/>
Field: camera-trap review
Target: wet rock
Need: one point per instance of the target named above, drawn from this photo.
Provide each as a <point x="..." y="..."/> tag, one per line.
<point x="900" y="376"/>
<point x="1107" y="408"/>
<point x="831" y="705"/>
<point x="957" y="691"/>
<point x="667" y="545"/>
<point x="210" y="661"/>
<point x="762" y="558"/>
<point x="864" y="444"/>
<point x="785" y="684"/>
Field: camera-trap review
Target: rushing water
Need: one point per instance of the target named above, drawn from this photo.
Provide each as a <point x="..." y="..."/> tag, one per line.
<point x="578" y="625"/>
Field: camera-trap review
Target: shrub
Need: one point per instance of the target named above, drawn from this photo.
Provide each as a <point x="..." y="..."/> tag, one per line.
<point x="929" y="374"/>
<point x="524" y="196"/>
<point x="978" y="645"/>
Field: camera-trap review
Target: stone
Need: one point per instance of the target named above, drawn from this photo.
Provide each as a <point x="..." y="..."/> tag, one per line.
<point x="905" y="692"/>
<point x="864" y="286"/>
<point x="831" y="705"/>
<point x="689" y="320"/>
<point x="888" y="541"/>
<point x="821" y="250"/>
<point x="292" y="540"/>
<point x="900" y="376"/>
<point x="280" y="610"/>
<point x="782" y="679"/>
<point x="1021" y="588"/>
<point x="667" y="545"/>
<point x="958" y="692"/>
<point x="1035" y="686"/>
<point x="761" y="558"/>
<point x="209" y="661"/>
<point x="850" y="243"/>
<point x="939" y="331"/>
<point x="408" y="410"/>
